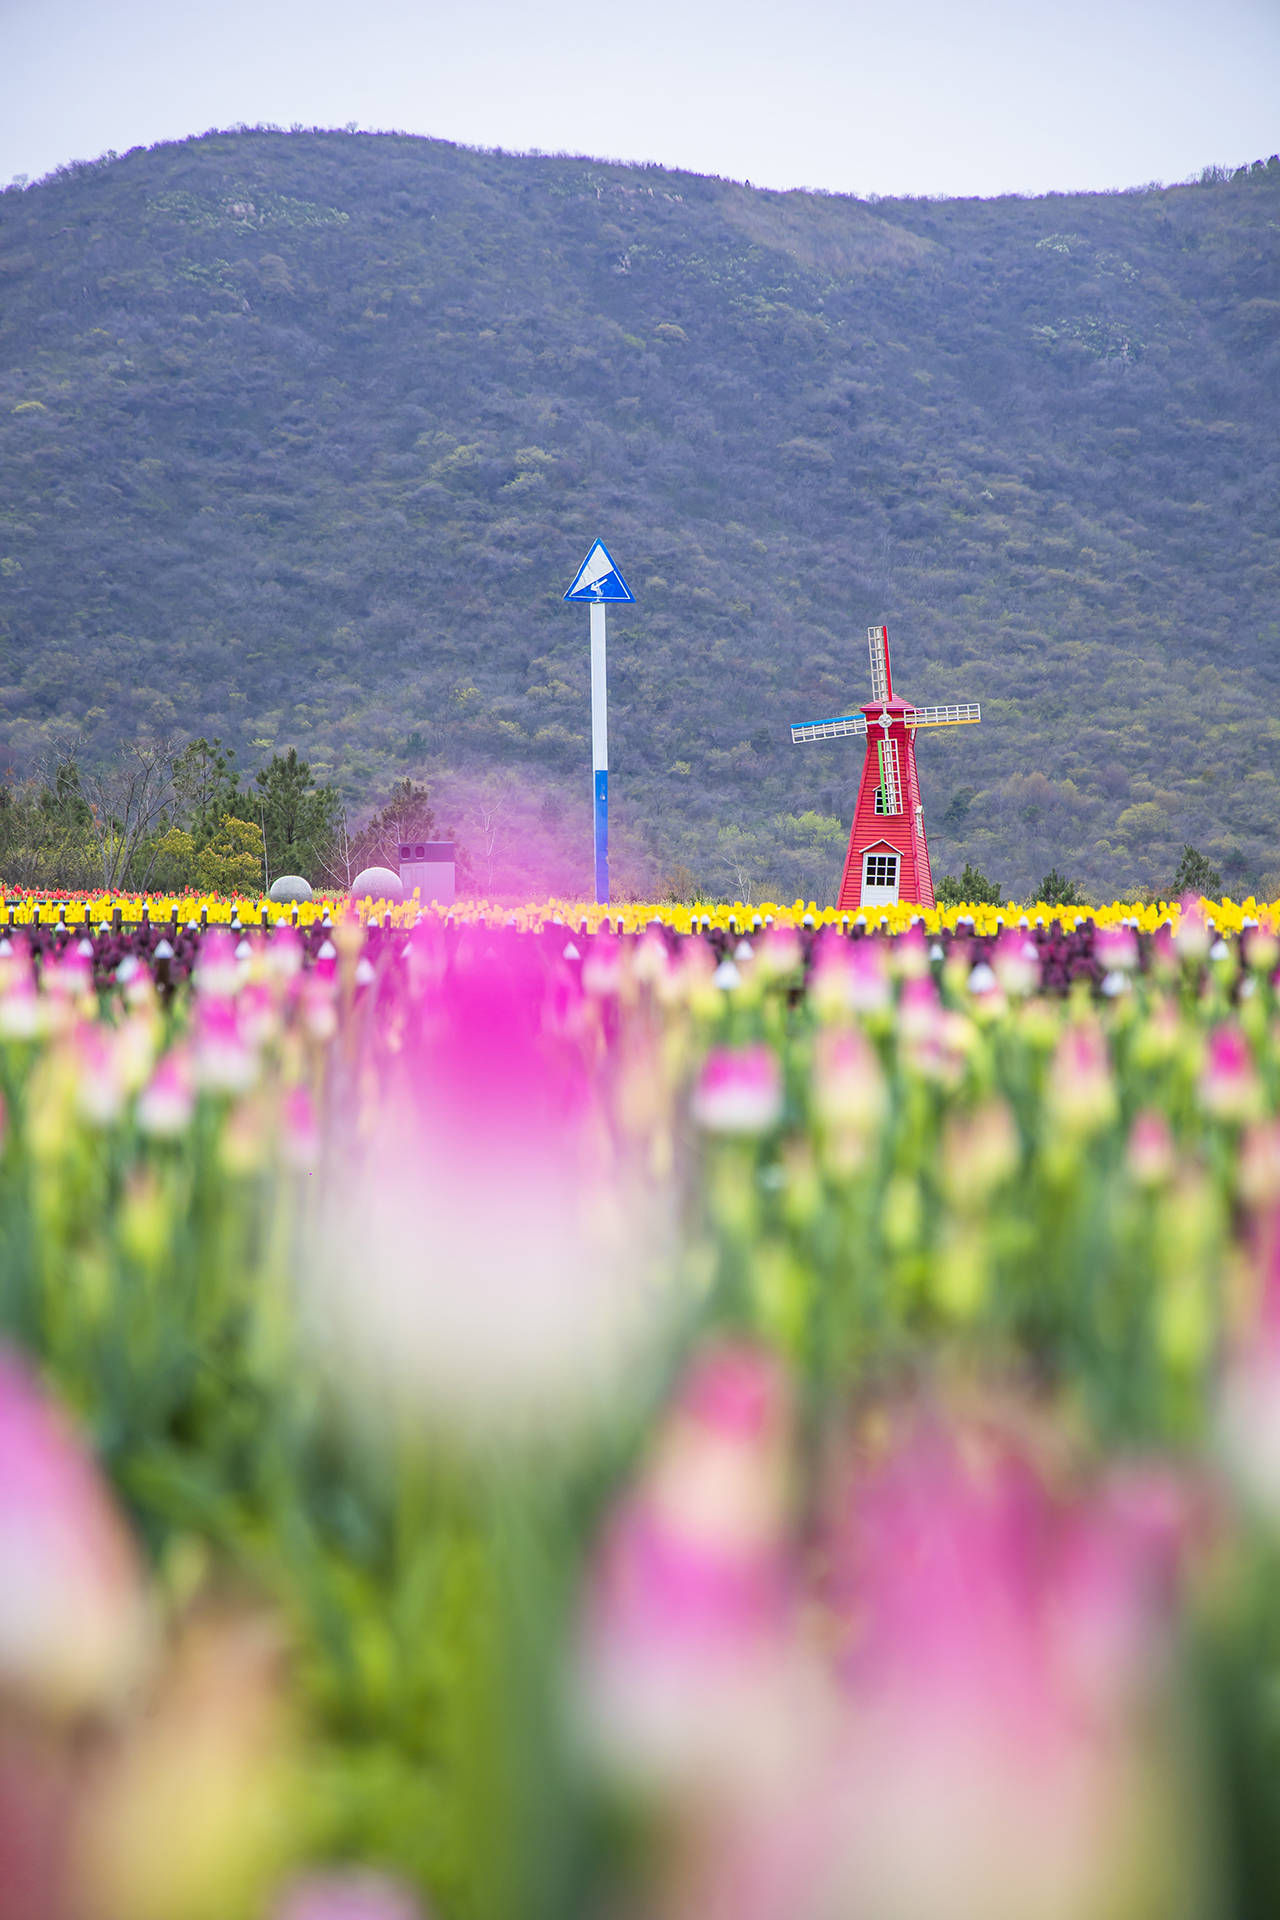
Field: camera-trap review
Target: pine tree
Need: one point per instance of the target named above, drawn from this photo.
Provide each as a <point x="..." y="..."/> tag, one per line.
<point x="298" y="819"/>
<point x="1196" y="874"/>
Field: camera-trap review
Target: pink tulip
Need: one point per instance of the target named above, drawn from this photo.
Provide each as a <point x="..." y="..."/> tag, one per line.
<point x="778" y="953"/>
<point x="1229" y="1087"/>
<point x="99" y="1072"/>
<point x="1016" y="962"/>
<point x="22" y="1012"/>
<point x="832" y="986"/>
<point x="909" y="954"/>
<point x="67" y="973"/>
<point x="851" y="976"/>
<point x="652" y="963"/>
<point x="869" y="990"/>
<point x="300" y="1130"/>
<point x="165" y="1104"/>
<point x="222" y="1057"/>
<point x="935" y="1040"/>
<point x="980" y="1150"/>
<point x="848" y="1082"/>
<point x="603" y="970"/>
<point x="72" y="1608"/>
<point x="1116" y="949"/>
<point x="217" y="971"/>
<point x="919" y="1008"/>
<point x="318" y="1001"/>
<point x="1191" y="940"/>
<point x="284" y="953"/>
<point x="739" y="1091"/>
<point x="256" y="1013"/>
<point x="1166" y="963"/>
<point x="1080" y="1094"/>
<point x="1151" y="1153"/>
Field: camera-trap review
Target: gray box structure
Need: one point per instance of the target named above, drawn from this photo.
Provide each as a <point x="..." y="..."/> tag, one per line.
<point x="428" y="865"/>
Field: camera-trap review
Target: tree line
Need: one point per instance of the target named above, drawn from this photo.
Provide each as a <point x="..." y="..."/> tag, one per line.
<point x="165" y="818"/>
<point x="1195" y="873"/>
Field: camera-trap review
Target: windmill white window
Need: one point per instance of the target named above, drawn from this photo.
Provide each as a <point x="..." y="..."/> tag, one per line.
<point x="879" y="878"/>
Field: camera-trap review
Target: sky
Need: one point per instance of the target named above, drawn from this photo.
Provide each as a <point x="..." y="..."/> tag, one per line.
<point x="929" y="97"/>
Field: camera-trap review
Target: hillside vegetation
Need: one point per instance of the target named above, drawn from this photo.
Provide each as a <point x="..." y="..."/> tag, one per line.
<point x="303" y="435"/>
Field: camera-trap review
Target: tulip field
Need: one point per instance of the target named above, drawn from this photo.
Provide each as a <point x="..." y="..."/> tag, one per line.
<point x="639" y="1414"/>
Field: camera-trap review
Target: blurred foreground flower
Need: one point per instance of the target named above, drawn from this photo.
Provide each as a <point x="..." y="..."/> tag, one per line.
<point x="346" y="1896"/>
<point x="73" y="1614"/>
<point x="998" y="1739"/>
<point x="488" y="1255"/>
<point x="184" y="1816"/>
<point x="1009" y="1752"/>
<point x="686" y="1659"/>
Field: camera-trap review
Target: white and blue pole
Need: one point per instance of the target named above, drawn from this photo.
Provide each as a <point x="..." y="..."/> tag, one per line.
<point x="600" y="752"/>
<point x="598" y="582"/>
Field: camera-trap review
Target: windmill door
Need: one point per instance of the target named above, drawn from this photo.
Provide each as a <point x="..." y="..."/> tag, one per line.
<point x="881" y="873"/>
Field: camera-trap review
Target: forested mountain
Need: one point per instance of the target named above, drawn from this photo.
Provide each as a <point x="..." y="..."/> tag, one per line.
<point x="303" y="435"/>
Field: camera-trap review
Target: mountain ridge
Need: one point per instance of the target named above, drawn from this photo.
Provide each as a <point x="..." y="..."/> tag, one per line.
<point x="302" y="436"/>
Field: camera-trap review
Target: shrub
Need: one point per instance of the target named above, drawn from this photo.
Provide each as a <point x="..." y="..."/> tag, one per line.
<point x="232" y="860"/>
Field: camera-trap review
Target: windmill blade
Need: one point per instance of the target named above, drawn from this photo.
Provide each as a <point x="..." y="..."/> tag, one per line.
<point x="881" y="680"/>
<point x="828" y="729"/>
<point x="966" y="714"/>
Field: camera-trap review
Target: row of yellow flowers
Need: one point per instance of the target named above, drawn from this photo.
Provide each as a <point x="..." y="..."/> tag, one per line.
<point x="96" y="909"/>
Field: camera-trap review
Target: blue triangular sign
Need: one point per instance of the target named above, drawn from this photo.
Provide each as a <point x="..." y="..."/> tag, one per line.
<point x="598" y="578"/>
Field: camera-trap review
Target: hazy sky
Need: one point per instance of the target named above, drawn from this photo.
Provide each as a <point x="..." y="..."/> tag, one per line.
<point x="931" y="96"/>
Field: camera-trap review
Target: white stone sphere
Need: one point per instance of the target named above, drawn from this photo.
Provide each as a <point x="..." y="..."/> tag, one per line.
<point x="289" y="887"/>
<point x="377" y="883"/>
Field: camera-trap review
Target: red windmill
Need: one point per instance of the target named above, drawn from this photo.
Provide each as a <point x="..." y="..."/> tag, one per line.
<point x="888" y="857"/>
